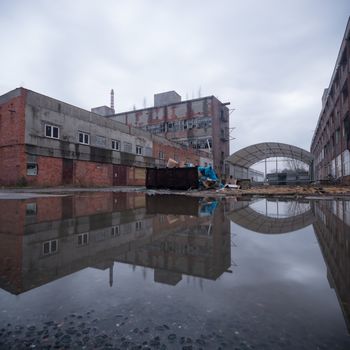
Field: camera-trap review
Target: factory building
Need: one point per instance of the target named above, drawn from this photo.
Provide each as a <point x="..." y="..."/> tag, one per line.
<point x="46" y="142"/>
<point x="201" y="123"/>
<point x="331" y="140"/>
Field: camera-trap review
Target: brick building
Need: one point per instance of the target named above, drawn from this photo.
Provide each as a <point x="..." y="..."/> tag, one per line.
<point x="46" y="142"/>
<point x="331" y="140"/>
<point x="201" y="123"/>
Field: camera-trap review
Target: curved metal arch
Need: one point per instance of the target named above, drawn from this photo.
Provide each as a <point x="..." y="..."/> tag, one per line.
<point x="250" y="155"/>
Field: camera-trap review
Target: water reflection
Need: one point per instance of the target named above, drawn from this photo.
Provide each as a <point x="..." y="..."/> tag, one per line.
<point x="47" y="238"/>
<point x="277" y="296"/>
<point x="272" y="216"/>
<point x="332" y="228"/>
<point x="331" y="223"/>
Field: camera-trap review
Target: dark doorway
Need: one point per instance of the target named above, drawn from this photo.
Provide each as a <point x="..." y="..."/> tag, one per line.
<point x="67" y="171"/>
<point x="119" y="175"/>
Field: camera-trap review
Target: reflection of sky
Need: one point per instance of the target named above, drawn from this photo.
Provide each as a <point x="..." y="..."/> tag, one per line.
<point x="279" y="209"/>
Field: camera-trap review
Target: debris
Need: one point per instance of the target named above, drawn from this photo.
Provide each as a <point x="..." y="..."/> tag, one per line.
<point x="172" y="163"/>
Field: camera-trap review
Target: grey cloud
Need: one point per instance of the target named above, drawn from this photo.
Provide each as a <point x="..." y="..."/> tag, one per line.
<point x="271" y="59"/>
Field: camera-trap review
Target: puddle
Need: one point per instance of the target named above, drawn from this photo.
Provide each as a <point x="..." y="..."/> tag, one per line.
<point x="128" y="270"/>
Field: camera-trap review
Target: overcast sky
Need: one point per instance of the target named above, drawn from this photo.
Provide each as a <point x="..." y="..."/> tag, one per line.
<point x="270" y="59"/>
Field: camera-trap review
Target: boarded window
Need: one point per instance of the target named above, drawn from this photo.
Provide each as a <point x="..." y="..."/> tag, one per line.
<point x="127" y="147"/>
<point x="100" y="141"/>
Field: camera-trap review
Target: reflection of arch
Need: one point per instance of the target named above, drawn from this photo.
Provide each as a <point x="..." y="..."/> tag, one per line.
<point x="250" y="155"/>
<point x="257" y="222"/>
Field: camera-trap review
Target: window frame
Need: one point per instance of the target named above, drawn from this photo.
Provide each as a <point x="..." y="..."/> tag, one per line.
<point x="84" y="135"/>
<point x="35" y="167"/>
<point x="84" y="239"/>
<point x="52" y="127"/>
<point x="117" y="143"/>
<point x="139" y="150"/>
<point x="50" y="242"/>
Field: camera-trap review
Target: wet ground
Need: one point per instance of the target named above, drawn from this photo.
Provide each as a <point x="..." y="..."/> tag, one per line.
<point x="130" y="270"/>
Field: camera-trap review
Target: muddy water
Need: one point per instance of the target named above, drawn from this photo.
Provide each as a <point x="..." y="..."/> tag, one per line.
<point x="132" y="271"/>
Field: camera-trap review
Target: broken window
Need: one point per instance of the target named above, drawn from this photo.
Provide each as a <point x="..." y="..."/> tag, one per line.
<point x="101" y="141"/>
<point x="127" y="147"/>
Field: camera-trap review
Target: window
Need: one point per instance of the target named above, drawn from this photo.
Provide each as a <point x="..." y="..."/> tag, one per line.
<point x="139" y="150"/>
<point x="30" y="209"/>
<point x="83" y="238"/>
<point x="84" y="138"/>
<point x="114" y="231"/>
<point x="50" y="247"/>
<point x="116" y="145"/>
<point x="138" y="225"/>
<point x="127" y="147"/>
<point x="101" y="141"/>
<point x="161" y="155"/>
<point x="32" y="169"/>
<point x="337" y="136"/>
<point x="52" y="131"/>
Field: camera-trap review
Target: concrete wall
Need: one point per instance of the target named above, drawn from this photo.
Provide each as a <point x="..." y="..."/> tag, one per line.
<point x="165" y="98"/>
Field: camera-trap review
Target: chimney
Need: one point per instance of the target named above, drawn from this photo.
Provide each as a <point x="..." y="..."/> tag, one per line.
<point x="112" y="100"/>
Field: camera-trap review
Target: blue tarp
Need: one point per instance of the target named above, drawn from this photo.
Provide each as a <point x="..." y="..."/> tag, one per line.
<point x="208" y="172"/>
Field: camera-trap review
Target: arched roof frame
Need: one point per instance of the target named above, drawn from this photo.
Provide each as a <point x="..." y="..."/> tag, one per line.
<point x="250" y="155"/>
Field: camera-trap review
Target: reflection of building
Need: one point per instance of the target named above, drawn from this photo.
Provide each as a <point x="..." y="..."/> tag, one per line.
<point x="46" y="238"/>
<point x="331" y="140"/>
<point x="332" y="229"/>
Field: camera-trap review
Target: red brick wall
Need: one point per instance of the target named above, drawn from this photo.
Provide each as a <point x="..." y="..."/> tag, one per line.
<point x="12" y="129"/>
<point x="48" y="209"/>
<point x="12" y="121"/>
<point x="92" y="174"/>
<point x="13" y="164"/>
<point x="93" y="203"/>
<point x="169" y="152"/>
<point x="49" y="172"/>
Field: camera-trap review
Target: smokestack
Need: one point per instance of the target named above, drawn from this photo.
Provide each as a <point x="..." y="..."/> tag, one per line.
<point x="112" y="99"/>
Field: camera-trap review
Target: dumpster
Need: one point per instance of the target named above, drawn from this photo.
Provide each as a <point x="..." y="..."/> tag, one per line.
<point x="172" y="178"/>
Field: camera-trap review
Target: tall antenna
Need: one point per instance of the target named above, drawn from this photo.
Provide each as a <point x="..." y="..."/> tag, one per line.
<point x="112" y="99"/>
